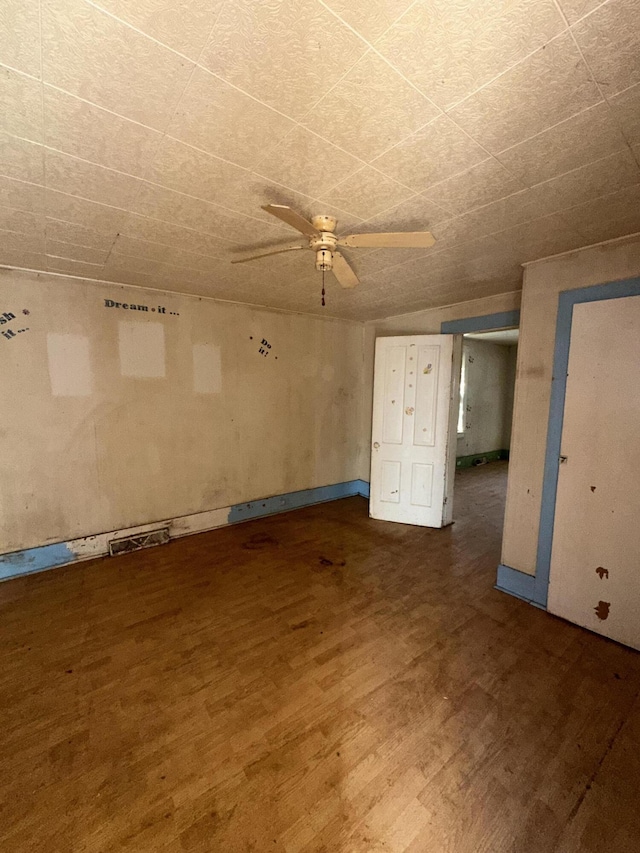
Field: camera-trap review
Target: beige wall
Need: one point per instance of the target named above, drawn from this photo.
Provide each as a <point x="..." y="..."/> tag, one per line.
<point x="418" y="323"/>
<point x="543" y="281"/>
<point x="488" y="397"/>
<point x="87" y="449"/>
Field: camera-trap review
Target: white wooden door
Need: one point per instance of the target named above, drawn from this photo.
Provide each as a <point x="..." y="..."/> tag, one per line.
<point x="414" y="429"/>
<point x="595" y="559"/>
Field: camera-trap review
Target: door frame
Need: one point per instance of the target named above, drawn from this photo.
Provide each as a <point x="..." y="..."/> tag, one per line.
<point x="508" y="580"/>
<point x="566" y="301"/>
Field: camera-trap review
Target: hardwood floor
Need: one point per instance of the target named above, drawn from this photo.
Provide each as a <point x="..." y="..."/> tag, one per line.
<point x="316" y="682"/>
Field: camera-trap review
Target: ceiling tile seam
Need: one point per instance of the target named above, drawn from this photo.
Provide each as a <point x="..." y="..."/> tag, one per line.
<point x="67" y="258"/>
<point x="44" y="159"/>
<point x="357" y="172"/>
<point x="377" y="52"/>
<point x="137" y="30"/>
<point x="152" y="183"/>
<point x="103" y="109"/>
<point x="68" y="242"/>
<point x="546" y="130"/>
<point x="509" y="68"/>
<point x="19" y="71"/>
<point x="123" y="254"/>
<point x="588" y="15"/>
<point x="177" y="105"/>
<point x="569" y="172"/>
<point x="603" y="95"/>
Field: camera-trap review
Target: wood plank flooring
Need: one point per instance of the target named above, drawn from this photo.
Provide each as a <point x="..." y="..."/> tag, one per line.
<point x="316" y="682"/>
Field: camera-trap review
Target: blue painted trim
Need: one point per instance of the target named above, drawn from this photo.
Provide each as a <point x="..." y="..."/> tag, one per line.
<point x="501" y="320"/>
<point x="363" y="488"/>
<point x="294" y="500"/>
<point x="515" y="583"/>
<point x="566" y="301"/>
<point x="35" y="560"/>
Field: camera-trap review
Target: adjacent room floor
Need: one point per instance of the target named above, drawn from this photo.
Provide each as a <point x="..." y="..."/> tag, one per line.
<point x="318" y="682"/>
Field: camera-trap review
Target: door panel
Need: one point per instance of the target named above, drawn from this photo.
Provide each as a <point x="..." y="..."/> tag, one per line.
<point x="595" y="559"/>
<point x="413" y="440"/>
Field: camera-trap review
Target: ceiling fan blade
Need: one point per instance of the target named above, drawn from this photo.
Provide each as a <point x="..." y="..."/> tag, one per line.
<point x="343" y="272"/>
<point x="286" y="214"/>
<point x="392" y="240"/>
<point x="266" y="254"/>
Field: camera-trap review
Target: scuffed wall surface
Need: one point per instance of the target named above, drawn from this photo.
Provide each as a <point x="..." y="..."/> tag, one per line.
<point x="418" y="323"/>
<point x="488" y="398"/>
<point x="543" y="281"/>
<point x="114" y="417"/>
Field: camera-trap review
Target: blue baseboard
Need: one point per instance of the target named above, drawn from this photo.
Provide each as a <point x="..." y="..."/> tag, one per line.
<point x="296" y="500"/>
<point x="516" y="583"/>
<point x="35" y="560"/>
<point x="45" y="557"/>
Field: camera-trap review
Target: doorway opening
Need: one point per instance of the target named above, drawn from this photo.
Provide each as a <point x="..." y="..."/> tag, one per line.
<point x="485" y="409"/>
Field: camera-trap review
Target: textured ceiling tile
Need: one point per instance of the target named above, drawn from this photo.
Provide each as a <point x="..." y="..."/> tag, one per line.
<point x="430" y="155"/>
<point x="69" y="233"/>
<point x="21" y="159"/>
<point x="220" y="119"/>
<point x="548" y="87"/>
<point x="626" y="107"/>
<point x="541" y="237"/>
<point x="370" y="110"/>
<point x="79" y="211"/>
<point x="185" y="169"/>
<point x="307" y="163"/>
<point x="84" y="130"/>
<point x="22" y="221"/>
<point x="183" y="25"/>
<point x="451" y="49"/>
<point x="372" y="263"/>
<point x="13" y="257"/>
<point x="76" y="253"/>
<point x="21" y="195"/>
<point x="367" y="193"/>
<point x="484" y="183"/>
<point x="370" y="18"/>
<point x="90" y="54"/>
<point x="32" y="243"/>
<point x="610" y="41"/>
<point x="609" y="217"/>
<point x="73" y="267"/>
<point x="417" y="214"/>
<point x="285" y="53"/>
<point x="125" y="245"/>
<point x="601" y="178"/>
<point x="160" y="203"/>
<point x="124" y="264"/>
<point x="573" y="143"/>
<point x="87" y="180"/>
<point x="20" y="105"/>
<point x="154" y="231"/>
<point x="20" y="35"/>
<point x="576" y="9"/>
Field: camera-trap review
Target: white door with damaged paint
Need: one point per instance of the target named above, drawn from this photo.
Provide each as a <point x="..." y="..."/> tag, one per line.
<point x="595" y="558"/>
<point x="415" y="401"/>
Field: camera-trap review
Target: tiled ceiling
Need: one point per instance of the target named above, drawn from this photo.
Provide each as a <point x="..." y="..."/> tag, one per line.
<point x="138" y="140"/>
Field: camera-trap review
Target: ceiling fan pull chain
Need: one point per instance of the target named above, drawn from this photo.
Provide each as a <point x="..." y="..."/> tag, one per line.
<point x="323" y="288"/>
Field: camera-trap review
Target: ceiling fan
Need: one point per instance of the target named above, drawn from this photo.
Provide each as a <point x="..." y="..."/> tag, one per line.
<point x="323" y="241"/>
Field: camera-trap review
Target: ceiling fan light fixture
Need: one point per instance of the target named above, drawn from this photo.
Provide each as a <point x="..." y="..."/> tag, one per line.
<point x="324" y="260"/>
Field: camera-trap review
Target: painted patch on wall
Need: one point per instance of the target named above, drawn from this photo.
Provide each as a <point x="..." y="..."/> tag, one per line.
<point x="69" y="365"/>
<point x="141" y="350"/>
<point x="207" y="369"/>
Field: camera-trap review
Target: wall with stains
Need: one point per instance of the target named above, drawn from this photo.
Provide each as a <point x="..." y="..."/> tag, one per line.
<point x="543" y="281"/>
<point x="114" y="416"/>
<point x="489" y="373"/>
<point x="418" y="323"/>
